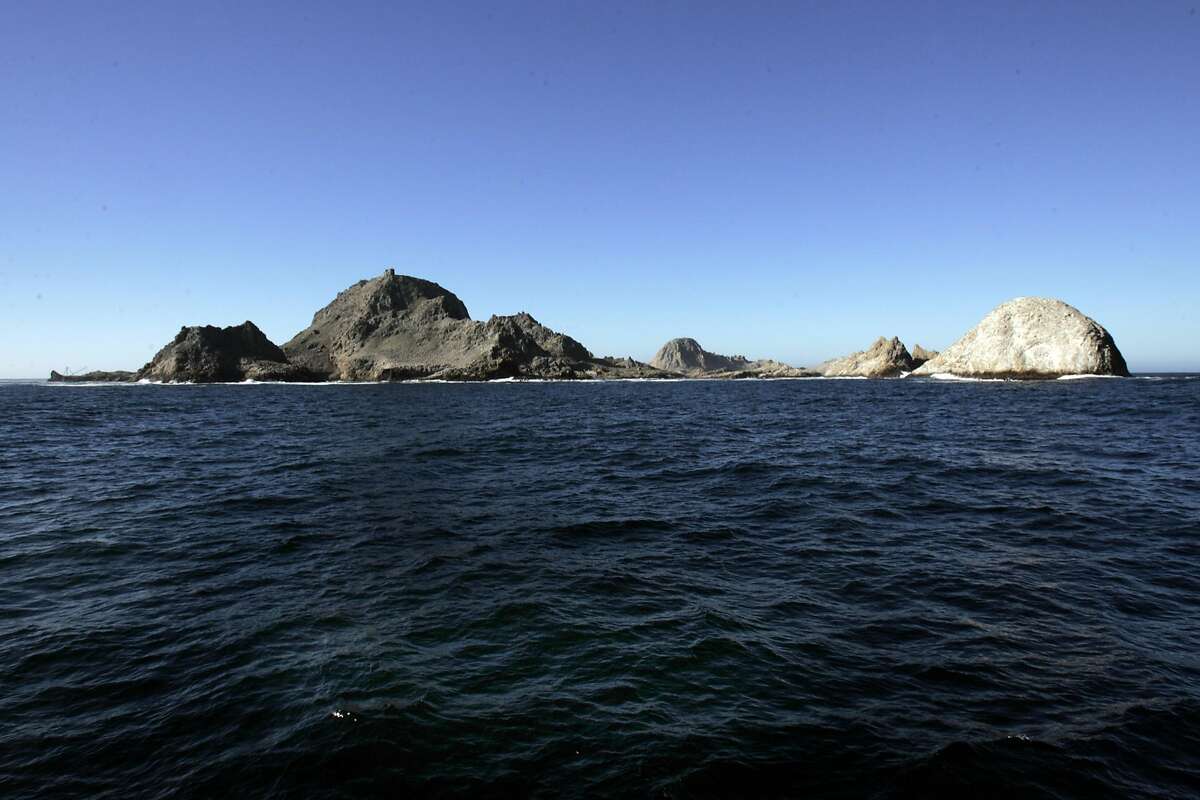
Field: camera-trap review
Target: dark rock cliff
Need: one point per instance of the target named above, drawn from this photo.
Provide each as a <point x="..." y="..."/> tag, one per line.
<point x="208" y="354"/>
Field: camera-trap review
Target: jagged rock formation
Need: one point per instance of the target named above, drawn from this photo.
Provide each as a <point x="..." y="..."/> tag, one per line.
<point x="685" y="356"/>
<point x="396" y="327"/>
<point x="886" y="358"/>
<point x="1030" y="337"/>
<point x="208" y="354"/>
<point x="626" y="367"/>
<point x="920" y="355"/>
<point x="95" y="376"/>
<point x="766" y="368"/>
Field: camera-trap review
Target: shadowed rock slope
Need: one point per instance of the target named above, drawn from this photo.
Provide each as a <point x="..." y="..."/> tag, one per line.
<point x="920" y="355"/>
<point x="207" y="354"/>
<point x="1030" y="337"/>
<point x="886" y="358"/>
<point x="397" y="327"/>
<point x="685" y="356"/>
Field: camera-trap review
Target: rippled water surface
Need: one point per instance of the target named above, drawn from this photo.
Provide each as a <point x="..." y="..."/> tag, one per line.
<point x="793" y="588"/>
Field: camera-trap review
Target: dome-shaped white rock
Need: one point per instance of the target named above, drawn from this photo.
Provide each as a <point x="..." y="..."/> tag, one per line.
<point x="1030" y="337"/>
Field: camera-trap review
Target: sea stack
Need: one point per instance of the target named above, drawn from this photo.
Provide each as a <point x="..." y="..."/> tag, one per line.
<point x="1030" y="338"/>
<point x="397" y="327"/>
<point x="207" y="354"/>
<point x="886" y="358"/>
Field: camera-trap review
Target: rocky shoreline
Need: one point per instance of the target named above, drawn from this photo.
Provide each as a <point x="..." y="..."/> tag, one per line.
<point x="400" y="328"/>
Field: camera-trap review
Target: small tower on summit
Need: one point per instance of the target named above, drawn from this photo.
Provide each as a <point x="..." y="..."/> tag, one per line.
<point x="389" y="273"/>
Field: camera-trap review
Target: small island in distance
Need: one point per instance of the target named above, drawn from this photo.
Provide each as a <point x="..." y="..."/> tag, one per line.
<point x="397" y="327"/>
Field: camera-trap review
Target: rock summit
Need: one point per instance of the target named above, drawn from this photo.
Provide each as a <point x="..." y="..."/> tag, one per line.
<point x="396" y="327"/>
<point x="685" y="356"/>
<point x="886" y="358"/>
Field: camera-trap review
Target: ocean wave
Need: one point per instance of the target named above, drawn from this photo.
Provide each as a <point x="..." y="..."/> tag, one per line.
<point x="746" y="588"/>
<point x="948" y="376"/>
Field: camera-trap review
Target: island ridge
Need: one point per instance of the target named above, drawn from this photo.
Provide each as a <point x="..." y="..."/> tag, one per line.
<point x="398" y="327"/>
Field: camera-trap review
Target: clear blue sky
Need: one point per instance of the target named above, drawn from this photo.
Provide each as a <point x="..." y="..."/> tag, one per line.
<point x="785" y="180"/>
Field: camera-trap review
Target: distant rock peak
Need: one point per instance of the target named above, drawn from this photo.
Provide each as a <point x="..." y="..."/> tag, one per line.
<point x="920" y="355"/>
<point x="886" y="358"/>
<point x="685" y="356"/>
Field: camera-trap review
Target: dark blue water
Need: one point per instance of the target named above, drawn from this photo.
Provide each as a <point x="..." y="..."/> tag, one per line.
<point x="795" y="588"/>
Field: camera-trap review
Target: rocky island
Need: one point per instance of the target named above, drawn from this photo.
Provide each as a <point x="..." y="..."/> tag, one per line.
<point x="94" y="376"/>
<point x="886" y="358"/>
<point x="1030" y="338"/>
<point x="398" y="327"/>
<point x="207" y="354"/>
<point x="685" y="357"/>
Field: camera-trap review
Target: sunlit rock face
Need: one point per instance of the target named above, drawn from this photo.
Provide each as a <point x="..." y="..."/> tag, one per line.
<point x="397" y="327"/>
<point x="685" y="356"/>
<point x="1030" y="337"/>
<point x="886" y="358"/>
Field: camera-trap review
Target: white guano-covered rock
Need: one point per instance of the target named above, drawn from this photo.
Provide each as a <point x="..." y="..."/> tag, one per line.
<point x="1030" y="337"/>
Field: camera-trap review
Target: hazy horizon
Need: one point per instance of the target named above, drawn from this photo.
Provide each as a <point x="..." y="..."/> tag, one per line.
<point x="776" y="181"/>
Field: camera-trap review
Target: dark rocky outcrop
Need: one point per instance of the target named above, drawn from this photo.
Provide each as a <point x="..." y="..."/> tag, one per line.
<point x="626" y="367"/>
<point x="207" y="354"/>
<point x="1030" y="337"/>
<point x="397" y="327"/>
<point x="920" y="355"/>
<point x="95" y="376"/>
<point x="886" y="358"/>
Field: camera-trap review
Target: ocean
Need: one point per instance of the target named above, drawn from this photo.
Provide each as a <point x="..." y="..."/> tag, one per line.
<point x="808" y="588"/>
